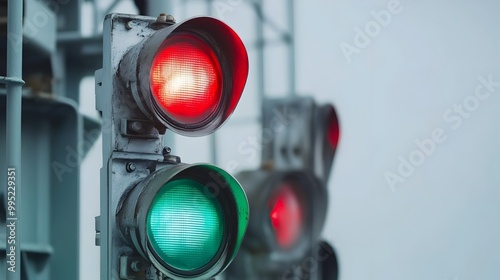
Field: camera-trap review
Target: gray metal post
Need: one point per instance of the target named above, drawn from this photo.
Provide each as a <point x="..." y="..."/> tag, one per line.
<point x="13" y="135"/>
<point x="291" y="50"/>
<point x="261" y="88"/>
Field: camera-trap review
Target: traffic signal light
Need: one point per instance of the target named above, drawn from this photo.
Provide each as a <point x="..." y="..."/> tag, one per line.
<point x="304" y="135"/>
<point x="160" y="217"/>
<point x="288" y="195"/>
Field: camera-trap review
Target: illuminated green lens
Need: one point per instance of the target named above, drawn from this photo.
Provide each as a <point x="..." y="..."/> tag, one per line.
<point x="185" y="225"/>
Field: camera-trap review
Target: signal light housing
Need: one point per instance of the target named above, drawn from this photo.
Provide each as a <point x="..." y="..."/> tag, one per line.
<point x="189" y="76"/>
<point x="159" y="217"/>
<point x="188" y="220"/>
<point x="289" y="199"/>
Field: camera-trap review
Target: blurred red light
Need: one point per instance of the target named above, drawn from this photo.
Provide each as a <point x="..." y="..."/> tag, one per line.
<point x="186" y="79"/>
<point x="333" y="133"/>
<point x="286" y="216"/>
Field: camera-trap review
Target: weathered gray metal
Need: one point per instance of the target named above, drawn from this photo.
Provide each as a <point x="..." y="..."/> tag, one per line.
<point x="13" y="130"/>
<point x="117" y="149"/>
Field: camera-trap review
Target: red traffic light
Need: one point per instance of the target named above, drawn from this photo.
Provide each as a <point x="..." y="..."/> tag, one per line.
<point x="186" y="79"/>
<point x="288" y="209"/>
<point x="189" y="76"/>
<point x="333" y="133"/>
<point x="286" y="214"/>
<point x="327" y="136"/>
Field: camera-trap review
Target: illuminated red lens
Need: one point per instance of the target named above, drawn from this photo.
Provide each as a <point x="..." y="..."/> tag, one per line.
<point x="333" y="132"/>
<point x="186" y="79"/>
<point x="286" y="216"/>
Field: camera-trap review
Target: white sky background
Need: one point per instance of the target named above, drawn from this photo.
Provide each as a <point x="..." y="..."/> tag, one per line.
<point x="442" y="221"/>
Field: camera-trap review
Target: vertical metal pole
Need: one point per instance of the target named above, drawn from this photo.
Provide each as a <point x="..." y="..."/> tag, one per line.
<point x="291" y="47"/>
<point x="97" y="17"/>
<point x="13" y="136"/>
<point x="210" y="9"/>
<point x="260" y="52"/>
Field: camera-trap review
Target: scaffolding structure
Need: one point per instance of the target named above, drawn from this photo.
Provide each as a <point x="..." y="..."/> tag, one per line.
<point x="53" y="59"/>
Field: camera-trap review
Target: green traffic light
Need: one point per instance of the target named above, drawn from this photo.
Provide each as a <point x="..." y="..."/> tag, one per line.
<point x="185" y="226"/>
